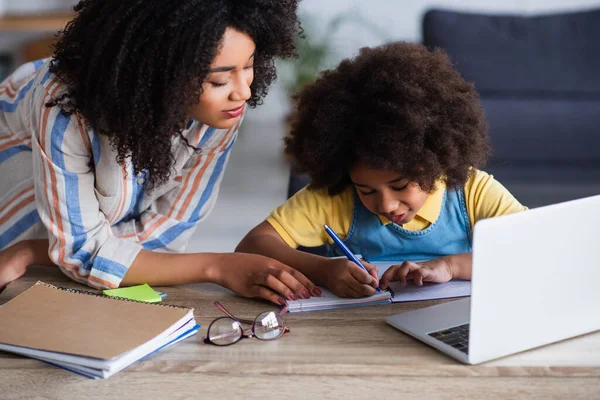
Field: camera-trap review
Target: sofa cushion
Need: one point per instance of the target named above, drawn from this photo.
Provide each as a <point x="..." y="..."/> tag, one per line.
<point x="544" y="130"/>
<point x="531" y="54"/>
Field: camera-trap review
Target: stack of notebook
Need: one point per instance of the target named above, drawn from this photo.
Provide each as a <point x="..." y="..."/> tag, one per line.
<point x="93" y="335"/>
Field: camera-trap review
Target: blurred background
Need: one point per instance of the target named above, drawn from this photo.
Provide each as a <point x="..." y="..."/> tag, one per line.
<point x="535" y="63"/>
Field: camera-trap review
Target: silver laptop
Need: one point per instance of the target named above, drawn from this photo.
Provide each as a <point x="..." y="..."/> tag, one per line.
<point x="536" y="279"/>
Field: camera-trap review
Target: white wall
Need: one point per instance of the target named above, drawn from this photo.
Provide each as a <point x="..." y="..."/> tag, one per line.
<point x="394" y="19"/>
<point x="398" y="20"/>
<point x="402" y="18"/>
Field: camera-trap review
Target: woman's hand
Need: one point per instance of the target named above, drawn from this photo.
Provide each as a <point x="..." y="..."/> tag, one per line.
<point x="346" y="279"/>
<point x="13" y="262"/>
<point x="252" y="275"/>
<point x="437" y="270"/>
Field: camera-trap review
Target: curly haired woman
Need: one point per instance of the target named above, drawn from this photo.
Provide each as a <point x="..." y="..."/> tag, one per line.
<point x="391" y="140"/>
<point x="113" y="150"/>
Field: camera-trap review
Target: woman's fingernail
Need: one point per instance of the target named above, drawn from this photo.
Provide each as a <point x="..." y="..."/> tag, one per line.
<point x="293" y="296"/>
<point x="305" y="294"/>
<point x="281" y="301"/>
<point x="317" y="292"/>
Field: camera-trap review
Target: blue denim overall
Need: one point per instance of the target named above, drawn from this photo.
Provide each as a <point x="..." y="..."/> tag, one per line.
<point x="450" y="234"/>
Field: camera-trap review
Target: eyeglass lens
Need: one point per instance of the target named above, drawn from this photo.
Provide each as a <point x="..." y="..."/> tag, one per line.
<point x="268" y="325"/>
<point x="225" y="331"/>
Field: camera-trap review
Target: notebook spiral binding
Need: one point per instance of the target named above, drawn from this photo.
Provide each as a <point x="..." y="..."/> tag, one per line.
<point x="88" y="293"/>
<point x="389" y="289"/>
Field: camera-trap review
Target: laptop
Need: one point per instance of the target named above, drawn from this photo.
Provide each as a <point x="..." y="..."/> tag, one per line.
<point x="535" y="281"/>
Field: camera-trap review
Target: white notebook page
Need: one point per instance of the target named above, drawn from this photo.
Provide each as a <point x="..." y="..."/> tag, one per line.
<point x="429" y="291"/>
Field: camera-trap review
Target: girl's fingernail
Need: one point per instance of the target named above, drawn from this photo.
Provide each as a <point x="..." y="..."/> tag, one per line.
<point x="305" y="294"/>
<point x="281" y="301"/>
<point x="317" y="292"/>
<point x="293" y="296"/>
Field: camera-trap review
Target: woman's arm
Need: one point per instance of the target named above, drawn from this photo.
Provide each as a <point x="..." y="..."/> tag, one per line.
<point x="15" y="259"/>
<point x="246" y="274"/>
<point x="249" y="275"/>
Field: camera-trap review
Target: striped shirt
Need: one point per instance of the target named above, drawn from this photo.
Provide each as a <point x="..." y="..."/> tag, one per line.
<point x="60" y="180"/>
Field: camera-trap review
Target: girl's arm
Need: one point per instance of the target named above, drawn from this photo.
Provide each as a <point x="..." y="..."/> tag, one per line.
<point x="461" y="265"/>
<point x="339" y="275"/>
<point x="263" y="239"/>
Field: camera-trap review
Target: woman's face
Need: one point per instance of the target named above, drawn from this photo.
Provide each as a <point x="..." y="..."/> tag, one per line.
<point x="227" y="85"/>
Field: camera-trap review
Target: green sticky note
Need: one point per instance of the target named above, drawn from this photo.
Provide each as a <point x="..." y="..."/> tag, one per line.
<point x="139" y="293"/>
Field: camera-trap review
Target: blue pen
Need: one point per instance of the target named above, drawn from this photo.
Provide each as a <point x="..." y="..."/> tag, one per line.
<point x="345" y="249"/>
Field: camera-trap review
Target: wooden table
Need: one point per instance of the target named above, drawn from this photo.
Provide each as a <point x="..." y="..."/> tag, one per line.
<point x="341" y="354"/>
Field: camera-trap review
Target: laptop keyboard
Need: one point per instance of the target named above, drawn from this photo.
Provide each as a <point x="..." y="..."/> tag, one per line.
<point x="457" y="337"/>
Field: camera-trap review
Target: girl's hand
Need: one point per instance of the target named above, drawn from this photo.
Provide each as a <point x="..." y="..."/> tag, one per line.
<point x="252" y="275"/>
<point x="437" y="270"/>
<point x="346" y="279"/>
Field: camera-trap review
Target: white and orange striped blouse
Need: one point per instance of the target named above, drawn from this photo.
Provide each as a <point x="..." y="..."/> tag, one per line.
<point x="60" y="180"/>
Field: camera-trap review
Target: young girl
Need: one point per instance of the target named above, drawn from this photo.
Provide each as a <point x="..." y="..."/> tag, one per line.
<point x="113" y="150"/>
<point x="391" y="140"/>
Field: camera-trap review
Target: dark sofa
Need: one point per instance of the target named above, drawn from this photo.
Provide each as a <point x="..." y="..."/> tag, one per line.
<point x="539" y="82"/>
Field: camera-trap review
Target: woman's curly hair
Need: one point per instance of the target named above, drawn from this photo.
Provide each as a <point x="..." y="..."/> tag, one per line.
<point x="132" y="67"/>
<point x="397" y="107"/>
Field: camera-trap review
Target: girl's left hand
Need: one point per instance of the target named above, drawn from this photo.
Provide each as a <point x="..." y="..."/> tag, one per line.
<point x="437" y="270"/>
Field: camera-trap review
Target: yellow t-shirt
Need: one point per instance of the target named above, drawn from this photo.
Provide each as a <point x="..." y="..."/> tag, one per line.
<point x="300" y="220"/>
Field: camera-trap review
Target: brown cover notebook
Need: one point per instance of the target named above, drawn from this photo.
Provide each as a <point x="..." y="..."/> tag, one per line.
<point x="50" y="318"/>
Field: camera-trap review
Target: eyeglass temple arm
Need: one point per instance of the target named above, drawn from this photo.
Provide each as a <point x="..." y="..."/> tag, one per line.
<point x="230" y="315"/>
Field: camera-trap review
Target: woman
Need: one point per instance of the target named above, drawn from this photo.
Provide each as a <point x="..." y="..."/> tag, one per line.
<point x="123" y="137"/>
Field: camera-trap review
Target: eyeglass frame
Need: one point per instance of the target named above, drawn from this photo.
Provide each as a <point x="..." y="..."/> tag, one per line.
<point x="246" y="333"/>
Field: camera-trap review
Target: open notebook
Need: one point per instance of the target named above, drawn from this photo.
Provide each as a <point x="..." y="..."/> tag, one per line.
<point x="87" y="333"/>
<point x="396" y="293"/>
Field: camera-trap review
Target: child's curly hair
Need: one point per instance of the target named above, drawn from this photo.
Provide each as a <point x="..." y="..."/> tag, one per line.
<point x="397" y="107"/>
<point x="132" y="67"/>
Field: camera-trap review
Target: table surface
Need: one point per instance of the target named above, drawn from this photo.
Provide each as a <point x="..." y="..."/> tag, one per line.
<point x="328" y="354"/>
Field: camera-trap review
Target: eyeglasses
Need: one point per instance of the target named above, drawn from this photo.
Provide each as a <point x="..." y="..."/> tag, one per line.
<point x="225" y="331"/>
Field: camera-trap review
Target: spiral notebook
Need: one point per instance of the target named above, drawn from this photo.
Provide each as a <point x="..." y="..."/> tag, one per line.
<point x="395" y="293"/>
<point x="88" y="333"/>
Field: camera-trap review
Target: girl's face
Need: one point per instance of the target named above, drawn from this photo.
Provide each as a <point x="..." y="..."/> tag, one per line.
<point x="387" y="194"/>
<point x="227" y="85"/>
